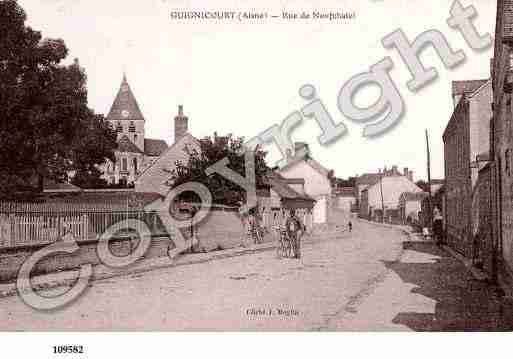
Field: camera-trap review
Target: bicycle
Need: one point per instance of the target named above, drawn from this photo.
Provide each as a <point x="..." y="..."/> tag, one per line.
<point x="284" y="248"/>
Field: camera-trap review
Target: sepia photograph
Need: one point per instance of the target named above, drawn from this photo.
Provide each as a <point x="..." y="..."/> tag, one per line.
<point x="271" y="166"/>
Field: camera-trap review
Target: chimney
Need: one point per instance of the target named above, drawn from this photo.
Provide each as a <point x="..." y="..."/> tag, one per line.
<point x="406" y="173"/>
<point x="181" y="124"/>
<point x="410" y="175"/>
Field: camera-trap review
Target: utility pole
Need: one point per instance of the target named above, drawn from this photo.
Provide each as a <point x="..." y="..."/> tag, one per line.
<point x="382" y="201"/>
<point x="430" y="201"/>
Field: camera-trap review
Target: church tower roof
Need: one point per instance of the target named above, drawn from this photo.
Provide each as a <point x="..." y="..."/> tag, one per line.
<point x="125" y="105"/>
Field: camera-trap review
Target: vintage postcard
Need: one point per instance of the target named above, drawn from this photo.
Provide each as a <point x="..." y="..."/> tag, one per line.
<point x="256" y="166"/>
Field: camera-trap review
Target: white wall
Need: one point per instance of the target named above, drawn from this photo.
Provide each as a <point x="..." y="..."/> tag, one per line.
<point x="317" y="186"/>
<point x="413" y="206"/>
<point x="393" y="187"/>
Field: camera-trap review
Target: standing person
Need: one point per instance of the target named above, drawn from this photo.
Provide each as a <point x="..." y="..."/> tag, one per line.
<point x="294" y="232"/>
<point x="438" y="226"/>
<point x="350" y="225"/>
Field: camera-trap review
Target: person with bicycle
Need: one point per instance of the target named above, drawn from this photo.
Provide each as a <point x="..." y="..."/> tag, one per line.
<point x="295" y="230"/>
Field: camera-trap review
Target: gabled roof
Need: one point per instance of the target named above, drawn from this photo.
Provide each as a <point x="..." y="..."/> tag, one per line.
<point x="125" y="145"/>
<point x="456" y="116"/>
<point x="480" y="88"/>
<point x="125" y="101"/>
<point x="177" y="146"/>
<point x="284" y="190"/>
<point x="154" y="147"/>
<point x="318" y="167"/>
<point x="466" y="87"/>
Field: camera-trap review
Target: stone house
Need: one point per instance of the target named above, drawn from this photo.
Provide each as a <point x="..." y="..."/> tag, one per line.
<point x="466" y="142"/>
<point x="501" y="140"/>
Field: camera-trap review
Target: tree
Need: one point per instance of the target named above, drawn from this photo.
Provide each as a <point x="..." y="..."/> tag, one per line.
<point x="45" y="124"/>
<point x="340" y="182"/>
<point x="213" y="150"/>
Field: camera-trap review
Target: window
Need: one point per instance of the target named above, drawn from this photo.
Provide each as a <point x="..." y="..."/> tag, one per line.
<point x="135" y="137"/>
<point x="124" y="166"/>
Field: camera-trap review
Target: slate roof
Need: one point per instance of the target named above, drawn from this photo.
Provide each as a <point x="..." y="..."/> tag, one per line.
<point x="125" y="145"/>
<point x="154" y="147"/>
<point x="466" y="87"/>
<point x="125" y="101"/>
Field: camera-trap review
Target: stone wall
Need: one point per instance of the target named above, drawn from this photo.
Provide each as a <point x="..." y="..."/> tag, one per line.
<point x="484" y="252"/>
<point x="12" y="259"/>
<point x="458" y="179"/>
<point x="223" y="230"/>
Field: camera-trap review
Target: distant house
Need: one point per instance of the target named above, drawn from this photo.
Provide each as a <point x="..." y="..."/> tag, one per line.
<point x="345" y="198"/>
<point x="363" y="182"/>
<point x="368" y="180"/>
<point x="385" y="195"/>
<point x="317" y="183"/>
<point x="410" y="206"/>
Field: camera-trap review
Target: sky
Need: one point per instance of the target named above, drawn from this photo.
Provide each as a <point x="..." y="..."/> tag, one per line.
<point x="242" y="78"/>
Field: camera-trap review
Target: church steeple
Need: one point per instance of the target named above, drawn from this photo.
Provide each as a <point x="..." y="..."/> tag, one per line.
<point x="126" y="117"/>
<point x="125" y="106"/>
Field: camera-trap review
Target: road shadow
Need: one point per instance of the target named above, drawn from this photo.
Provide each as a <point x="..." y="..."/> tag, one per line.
<point x="462" y="303"/>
